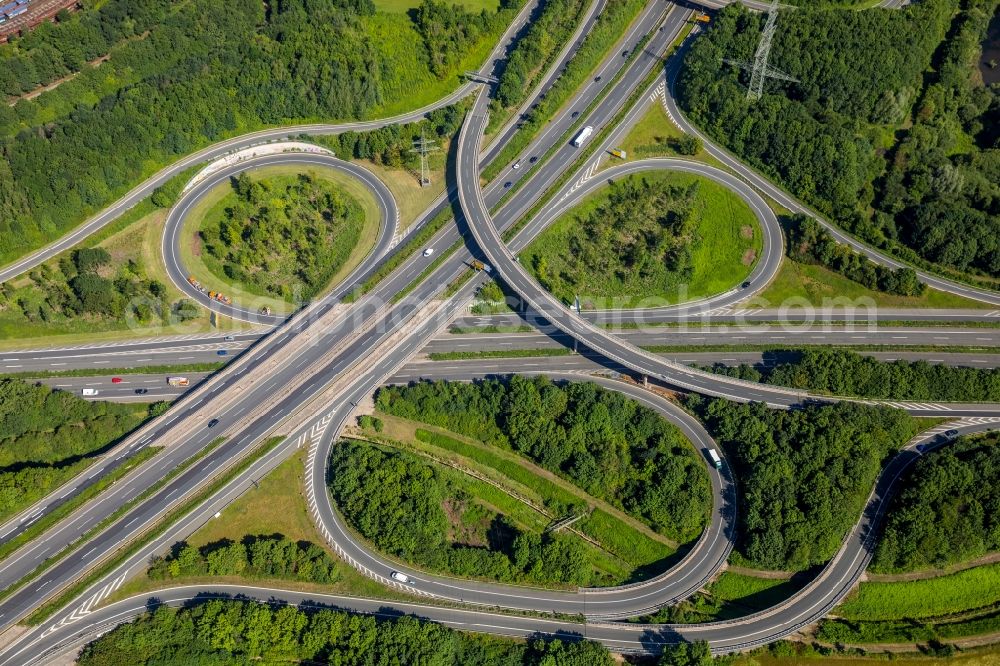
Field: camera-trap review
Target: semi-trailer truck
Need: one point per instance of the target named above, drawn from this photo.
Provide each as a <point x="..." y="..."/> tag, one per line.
<point x="582" y="136"/>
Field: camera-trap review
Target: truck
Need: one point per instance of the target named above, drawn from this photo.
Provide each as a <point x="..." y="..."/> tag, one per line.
<point x="178" y="381"/>
<point x="89" y="391"/>
<point x="619" y="153"/>
<point x="582" y="136"/>
<point x="714" y="457"/>
<point x="703" y="18"/>
<point x="477" y="265"/>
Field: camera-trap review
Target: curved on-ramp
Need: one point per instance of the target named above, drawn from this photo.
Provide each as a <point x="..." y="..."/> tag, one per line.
<point x="173" y="234"/>
<point x="805" y="607"/>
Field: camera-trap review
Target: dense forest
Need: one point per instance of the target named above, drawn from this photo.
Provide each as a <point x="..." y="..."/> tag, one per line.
<point x="607" y="444"/>
<point x="46" y="436"/>
<point x="278" y="234"/>
<point x="257" y="556"/>
<point x="804" y="475"/>
<point x="861" y="74"/>
<point x="637" y="242"/>
<point x="809" y="242"/>
<point x="231" y="632"/>
<point x="948" y="508"/>
<point x="212" y="69"/>
<point x="54" y="50"/>
<point x="843" y="372"/>
<point x="399" y="503"/>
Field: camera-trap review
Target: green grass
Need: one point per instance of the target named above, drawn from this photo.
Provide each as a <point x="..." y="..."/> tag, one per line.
<point x="104" y="372"/>
<point x="973" y="588"/>
<point x="817" y="285"/>
<point x="749" y="593"/>
<point x="722" y="255"/>
<point x="497" y="353"/>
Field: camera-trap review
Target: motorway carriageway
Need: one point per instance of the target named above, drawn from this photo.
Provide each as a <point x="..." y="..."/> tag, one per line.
<point x="232" y="419"/>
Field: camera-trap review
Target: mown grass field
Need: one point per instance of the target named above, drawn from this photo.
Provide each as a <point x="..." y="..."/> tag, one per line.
<point x="815" y="283"/>
<point x="966" y="590"/>
<point x="726" y="246"/>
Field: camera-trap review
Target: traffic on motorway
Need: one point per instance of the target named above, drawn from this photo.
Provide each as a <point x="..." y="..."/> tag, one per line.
<point x="304" y="375"/>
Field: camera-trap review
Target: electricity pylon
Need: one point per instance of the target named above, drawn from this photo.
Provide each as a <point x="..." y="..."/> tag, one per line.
<point x="422" y="147"/>
<point x="760" y="70"/>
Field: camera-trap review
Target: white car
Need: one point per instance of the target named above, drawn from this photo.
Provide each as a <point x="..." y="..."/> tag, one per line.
<point x="401" y="577"/>
<point x="428" y="252"/>
<point x="229" y="338"/>
<point x="517" y="165"/>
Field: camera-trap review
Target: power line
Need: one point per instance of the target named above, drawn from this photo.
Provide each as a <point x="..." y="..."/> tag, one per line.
<point x="760" y="70"/>
<point x="423" y="147"/>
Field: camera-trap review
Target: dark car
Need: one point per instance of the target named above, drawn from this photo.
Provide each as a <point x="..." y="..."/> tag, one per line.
<point x="625" y="53"/>
<point x="141" y="391"/>
<point x="745" y="285"/>
<point x="597" y="79"/>
<point x="574" y="114"/>
<point x="221" y="352"/>
<point x="951" y="434"/>
<point x="507" y="184"/>
<point x="213" y="423"/>
<point x="533" y="159"/>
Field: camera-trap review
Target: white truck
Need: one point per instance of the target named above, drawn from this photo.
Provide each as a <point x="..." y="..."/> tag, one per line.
<point x="582" y="136"/>
<point x="89" y="392"/>
<point x="714" y="457"/>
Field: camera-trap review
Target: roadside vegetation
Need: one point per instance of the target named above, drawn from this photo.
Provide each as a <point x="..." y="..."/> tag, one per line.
<point x="847" y="373"/>
<point x="534" y="497"/>
<point x="283" y="236"/>
<point x="437" y="519"/>
<point x="729" y="596"/>
<point x="831" y="139"/>
<point x="804" y="475"/>
<point x="649" y="239"/>
<point x="946" y="511"/>
<point x="241" y="632"/>
<point x="215" y="69"/>
<point x="608" y="445"/>
<point x="48" y="436"/>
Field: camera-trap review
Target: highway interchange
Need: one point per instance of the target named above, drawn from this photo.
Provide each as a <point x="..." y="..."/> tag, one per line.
<point x="304" y="379"/>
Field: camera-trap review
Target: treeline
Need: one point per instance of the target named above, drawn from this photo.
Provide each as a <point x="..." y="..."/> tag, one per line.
<point x="809" y="242"/>
<point x="449" y="31"/>
<point x="856" y="70"/>
<point x="53" y="50"/>
<point x="941" y="195"/>
<point x="804" y="474"/>
<point x="46" y="436"/>
<point x="637" y="242"/>
<point x="947" y="511"/>
<point x="86" y="284"/>
<point x="277" y="236"/>
<point x="397" y="502"/>
<point x="609" y="445"/>
<point x="210" y="70"/>
<point x="392" y="145"/>
<point x="258" y="556"/>
<point x="847" y="373"/>
<point x="553" y="24"/>
<point x="237" y="632"/>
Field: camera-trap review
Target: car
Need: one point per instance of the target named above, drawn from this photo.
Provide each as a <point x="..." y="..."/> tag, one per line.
<point x="507" y="184"/>
<point x="221" y="352"/>
<point x="574" y="114"/>
<point x="745" y="285"/>
<point x="921" y="448"/>
<point x="116" y="380"/>
<point x="951" y="434"/>
<point x="533" y="159"/>
<point x="229" y="338"/>
<point x="401" y="577"/>
<point x="597" y="79"/>
<point x="428" y="252"/>
<point x="517" y="165"/>
<point x="625" y="53"/>
<point x="141" y="391"/>
<point x="213" y="423"/>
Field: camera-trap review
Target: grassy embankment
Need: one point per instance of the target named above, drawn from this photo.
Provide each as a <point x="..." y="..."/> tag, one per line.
<point x="725" y="244"/>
